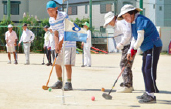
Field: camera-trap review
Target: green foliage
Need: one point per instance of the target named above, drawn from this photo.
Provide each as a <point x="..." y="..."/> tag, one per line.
<point x="31" y="20"/>
<point x="45" y="22"/>
<point x="79" y="22"/>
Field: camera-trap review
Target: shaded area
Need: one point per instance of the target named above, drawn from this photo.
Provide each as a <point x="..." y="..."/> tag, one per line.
<point x="164" y="102"/>
<point x="160" y="91"/>
<point x="106" y="90"/>
<point x="98" y="67"/>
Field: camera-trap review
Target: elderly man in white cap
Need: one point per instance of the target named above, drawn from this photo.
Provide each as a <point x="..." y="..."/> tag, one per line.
<point x="122" y="28"/>
<point x="145" y="36"/>
<point x="11" y="42"/>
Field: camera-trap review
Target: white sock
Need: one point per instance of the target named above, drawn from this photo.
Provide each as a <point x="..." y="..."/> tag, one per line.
<point x="150" y="94"/>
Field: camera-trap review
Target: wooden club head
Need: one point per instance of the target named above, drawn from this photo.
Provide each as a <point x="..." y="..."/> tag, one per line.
<point x="45" y="87"/>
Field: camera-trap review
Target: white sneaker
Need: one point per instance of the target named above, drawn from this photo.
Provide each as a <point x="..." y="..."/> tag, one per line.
<point x="9" y="62"/>
<point x="125" y="90"/>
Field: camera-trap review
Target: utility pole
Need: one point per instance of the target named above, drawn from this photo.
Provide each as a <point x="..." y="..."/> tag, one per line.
<point x="8" y="9"/>
<point x="90" y="14"/>
<point x="141" y="6"/>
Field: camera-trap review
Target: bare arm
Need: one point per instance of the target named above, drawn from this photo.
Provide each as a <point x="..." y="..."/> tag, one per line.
<point x="56" y="38"/>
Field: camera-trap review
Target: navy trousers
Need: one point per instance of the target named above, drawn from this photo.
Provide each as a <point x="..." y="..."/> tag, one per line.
<point x="149" y="68"/>
<point x="48" y="55"/>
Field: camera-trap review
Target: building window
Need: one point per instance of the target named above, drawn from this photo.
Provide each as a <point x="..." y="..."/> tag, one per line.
<point x="160" y="8"/>
<point x="86" y="9"/>
<point x="72" y="10"/>
<point x="144" y="11"/>
<point x="104" y="8"/>
<point x="102" y="29"/>
<point x="14" y="7"/>
<point x="154" y="6"/>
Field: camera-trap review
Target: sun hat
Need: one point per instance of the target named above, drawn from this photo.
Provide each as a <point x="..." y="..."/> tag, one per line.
<point x="51" y="4"/>
<point x="10" y="26"/>
<point x="87" y="24"/>
<point x="108" y="18"/>
<point x="126" y="8"/>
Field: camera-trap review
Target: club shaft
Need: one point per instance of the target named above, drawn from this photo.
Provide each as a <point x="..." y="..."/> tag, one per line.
<point x="117" y="79"/>
<point x="51" y="70"/>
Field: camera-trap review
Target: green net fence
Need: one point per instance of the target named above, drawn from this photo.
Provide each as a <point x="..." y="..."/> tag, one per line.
<point x="36" y="46"/>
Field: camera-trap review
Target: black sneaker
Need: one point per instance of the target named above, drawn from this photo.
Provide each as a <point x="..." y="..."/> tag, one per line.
<point x="57" y="85"/>
<point x="142" y="96"/>
<point x="68" y="86"/>
<point x="48" y="64"/>
<point x="15" y="62"/>
<point x="148" y="99"/>
<point x="83" y="66"/>
<point x="122" y="84"/>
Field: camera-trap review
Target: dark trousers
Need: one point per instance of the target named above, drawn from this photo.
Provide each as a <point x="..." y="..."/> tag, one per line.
<point x="127" y="74"/>
<point x="149" y="67"/>
<point x="48" y="55"/>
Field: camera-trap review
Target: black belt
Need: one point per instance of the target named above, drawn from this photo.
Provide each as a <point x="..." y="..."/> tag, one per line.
<point x="25" y="42"/>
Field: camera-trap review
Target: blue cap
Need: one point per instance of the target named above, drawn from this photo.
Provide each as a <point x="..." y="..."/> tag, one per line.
<point x="51" y="4"/>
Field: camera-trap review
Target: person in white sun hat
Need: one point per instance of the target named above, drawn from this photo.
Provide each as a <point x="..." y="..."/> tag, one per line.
<point x="145" y="36"/>
<point x="122" y="28"/>
<point x="11" y="42"/>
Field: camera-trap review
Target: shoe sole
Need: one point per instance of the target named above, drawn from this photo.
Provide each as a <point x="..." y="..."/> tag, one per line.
<point x="56" y="87"/>
<point x="151" y="102"/>
<point x="138" y="97"/>
<point x="68" y="89"/>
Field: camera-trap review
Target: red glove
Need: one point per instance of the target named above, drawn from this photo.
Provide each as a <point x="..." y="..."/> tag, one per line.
<point x="133" y="52"/>
<point x="49" y="48"/>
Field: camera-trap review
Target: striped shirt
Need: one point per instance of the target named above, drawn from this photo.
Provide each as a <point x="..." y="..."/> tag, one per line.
<point x="58" y="25"/>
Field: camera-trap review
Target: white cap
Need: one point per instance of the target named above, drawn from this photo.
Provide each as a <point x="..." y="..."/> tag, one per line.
<point x="10" y="26"/>
<point x="126" y="8"/>
<point x="50" y="28"/>
<point x="108" y="18"/>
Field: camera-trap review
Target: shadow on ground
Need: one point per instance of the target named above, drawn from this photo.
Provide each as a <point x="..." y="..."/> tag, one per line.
<point x="98" y="67"/>
<point x="106" y="90"/>
<point x="160" y="91"/>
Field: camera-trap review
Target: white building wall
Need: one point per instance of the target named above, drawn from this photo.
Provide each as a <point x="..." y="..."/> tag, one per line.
<point x="97" y="17"/>
<point x="23" y="7"/>
<point x="80" y="13"/>
<point x="159" y="13"/>
<point x="38" y="8"/>
<point x="1" y="8"/>
<point x="149" y="9"/>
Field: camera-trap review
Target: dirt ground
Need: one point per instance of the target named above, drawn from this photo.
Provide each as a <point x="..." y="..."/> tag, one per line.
<point x="21" y="85"/>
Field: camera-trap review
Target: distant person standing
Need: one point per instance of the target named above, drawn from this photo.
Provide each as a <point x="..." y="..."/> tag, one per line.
<point x="52" y="43"/>
<point x="11" y="42"/>
<point x="27" y="37"/>
<point x="86" y="47"/>
<point x="46" y="43"/>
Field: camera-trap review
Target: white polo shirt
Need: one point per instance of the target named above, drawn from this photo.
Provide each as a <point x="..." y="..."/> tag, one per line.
<point x="11" y="37"/>
<point x="123" y="28"/>
<point x="58" y="25"/>
<point x="27" y="36"/>
<point x="52" y="41"/>
<point x="46" y="38"/>
<point x="88" y="43"/>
